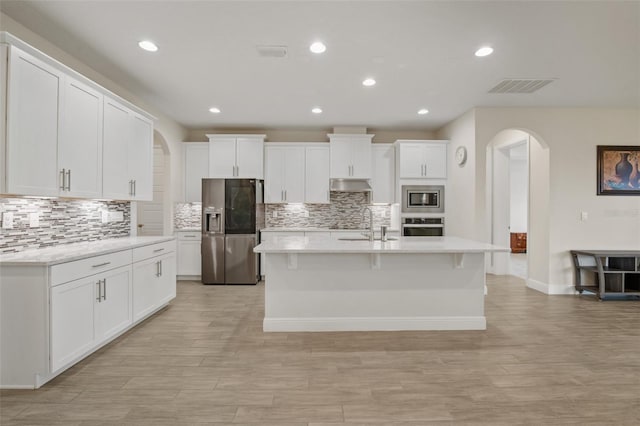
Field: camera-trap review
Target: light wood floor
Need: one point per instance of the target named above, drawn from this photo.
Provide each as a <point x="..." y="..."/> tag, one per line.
<point x="542" y="360"/>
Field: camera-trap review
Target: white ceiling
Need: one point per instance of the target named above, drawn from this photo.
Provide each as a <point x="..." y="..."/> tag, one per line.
<point x="420" y="52"/>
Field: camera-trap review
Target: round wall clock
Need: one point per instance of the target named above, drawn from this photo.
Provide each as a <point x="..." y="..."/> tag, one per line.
<point x="461" y="155"/>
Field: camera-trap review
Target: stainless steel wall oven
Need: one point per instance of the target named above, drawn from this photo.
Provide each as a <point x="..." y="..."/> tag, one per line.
<point x="422" y="226"/>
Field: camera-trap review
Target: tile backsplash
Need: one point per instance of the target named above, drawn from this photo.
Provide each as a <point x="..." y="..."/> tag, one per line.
<point x="344" y="212"/>
<point x="187" y="215"/>
<point x="60" y="222"/>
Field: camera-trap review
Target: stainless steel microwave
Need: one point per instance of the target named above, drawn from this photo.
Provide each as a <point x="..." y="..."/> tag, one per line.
<point x="422" y="198"/>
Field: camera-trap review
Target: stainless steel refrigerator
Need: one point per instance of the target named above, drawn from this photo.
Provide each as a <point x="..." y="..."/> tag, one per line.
<point x="232" y="216"/>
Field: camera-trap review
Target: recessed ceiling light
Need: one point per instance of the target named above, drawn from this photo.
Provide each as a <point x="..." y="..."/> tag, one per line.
<point x="147" y="45"/>
<point x="484" y="51"/>
<point x="316" y="110"/>
<point x="214" y="110"/>
<point x="368" y="82"/>
<point x="423" y="111"/>
<point x="318" y="47"/>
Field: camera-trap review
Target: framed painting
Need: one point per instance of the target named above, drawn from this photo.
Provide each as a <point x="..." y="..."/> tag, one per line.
<point x="618" y="169"/>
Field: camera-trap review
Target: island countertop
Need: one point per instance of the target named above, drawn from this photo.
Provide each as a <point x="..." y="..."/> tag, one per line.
<point x="291" y="244"/>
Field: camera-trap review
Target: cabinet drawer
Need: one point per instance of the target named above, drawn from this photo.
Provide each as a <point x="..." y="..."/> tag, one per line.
<point x="189" y="236"/>
<point x="146" y="252"/>
<point x="70" y="271"/>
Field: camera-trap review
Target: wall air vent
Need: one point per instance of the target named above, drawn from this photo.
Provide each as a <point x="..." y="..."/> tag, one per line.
<point x="520" y="85"/>
<point x="272" y="51"/>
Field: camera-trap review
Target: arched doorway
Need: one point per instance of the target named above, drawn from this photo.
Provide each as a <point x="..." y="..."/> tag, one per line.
<point x="154" y="217"/>
<point x="505" y="155"/>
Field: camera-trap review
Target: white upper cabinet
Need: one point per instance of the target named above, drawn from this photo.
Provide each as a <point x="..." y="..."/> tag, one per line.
<point x="384" y="166"/>
<point x="422" y="159"/>
<point x="236" y="156"/>
<point x="222" y="157"/>
<point x="57" y="124"/>
<point x="316" y="189"/>
<point x="350" y="156"/>
<point x="127" y="153"/>
<point x="250" y="157"/>
<point x="140" y="157"/>
<point x="196" y="167"/>
<point x="284" y="173"/>
<point x="80" y="143"/>
<point x="33" y="106"/>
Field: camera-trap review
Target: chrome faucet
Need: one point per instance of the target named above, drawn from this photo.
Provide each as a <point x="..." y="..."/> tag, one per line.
<point x="370" y="222"/>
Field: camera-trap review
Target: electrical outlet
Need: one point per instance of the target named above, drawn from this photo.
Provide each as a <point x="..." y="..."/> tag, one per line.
<point x="105" y="216"/>
<point x="584" y="216"/>
<point x="306" y="213"/>
<point x="7" y="220"/>
<point x="116" y="216"/>
<point x="34" y="220"/>
<point x="275" y="213"/>
<point x="383" y="213"/>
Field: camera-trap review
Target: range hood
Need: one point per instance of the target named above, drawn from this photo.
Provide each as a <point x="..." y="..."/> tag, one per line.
<point x="350" y="185"/>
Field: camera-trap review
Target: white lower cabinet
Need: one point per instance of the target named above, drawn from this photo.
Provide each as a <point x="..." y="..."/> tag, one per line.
<point x="87" y="312"/>
<point x="189" y="259"/>
<point x="53" y="316"/>
<point x="154" y="282"/>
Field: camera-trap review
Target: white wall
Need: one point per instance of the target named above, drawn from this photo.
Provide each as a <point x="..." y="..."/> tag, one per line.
<point x="518" y="194"/>
<point x="568" y="138"/>
<point x="172" y="132"/>
<point x="460" y="198"/>
<point x="310" y="135"/>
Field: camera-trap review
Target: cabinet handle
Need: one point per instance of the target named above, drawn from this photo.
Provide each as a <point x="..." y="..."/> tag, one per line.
<point x="99" y="290"/>
<point x="285" y="195"/>
<point x="130" y="187"/>
<point x="158" y="250"/>
<point x="62" y="175"/>
<point x="189" y="236"/>
<point x="158" y="269"/>
<point x="160" y="263"/>
<point x="104" y="289"/>
<point x="425" y="170"/>
<point x="69" y="180"/>
<point x="101" y="264"/>
<point x="134" y="187"/>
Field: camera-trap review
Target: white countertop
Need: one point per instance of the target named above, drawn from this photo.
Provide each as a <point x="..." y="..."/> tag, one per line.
<point x="63" y="253"/>
<point x="276" y="229"/>
<point x="286" y="244"/>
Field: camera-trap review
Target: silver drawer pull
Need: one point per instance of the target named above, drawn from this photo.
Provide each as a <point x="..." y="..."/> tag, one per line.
<point x="158" y="250"/>
<point x="189" y="236"/>
<point x="101" y="264"/>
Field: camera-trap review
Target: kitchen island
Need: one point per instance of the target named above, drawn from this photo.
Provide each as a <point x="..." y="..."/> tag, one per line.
<point x="417" y="283"/>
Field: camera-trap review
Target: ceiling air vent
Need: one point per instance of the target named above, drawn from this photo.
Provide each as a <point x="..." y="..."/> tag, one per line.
<point x="519" y="85"/>
<point x="271" y="51"/>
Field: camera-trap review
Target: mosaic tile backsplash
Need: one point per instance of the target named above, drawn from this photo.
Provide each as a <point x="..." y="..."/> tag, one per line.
<point x="60" y="222"/>
<point x="187" y="215"/>
<point x="344" y="212"/>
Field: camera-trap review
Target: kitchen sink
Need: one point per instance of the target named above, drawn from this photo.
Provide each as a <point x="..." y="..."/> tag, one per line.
<point x="364" y="239"/>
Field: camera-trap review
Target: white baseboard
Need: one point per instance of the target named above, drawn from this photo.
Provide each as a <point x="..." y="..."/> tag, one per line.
<point x="551" y="289"/>
<point x="188" y="278"/>
<point x="374" y="324"/>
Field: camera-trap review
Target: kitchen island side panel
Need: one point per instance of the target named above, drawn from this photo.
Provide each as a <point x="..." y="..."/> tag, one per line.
<point x="365" y="291"/>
